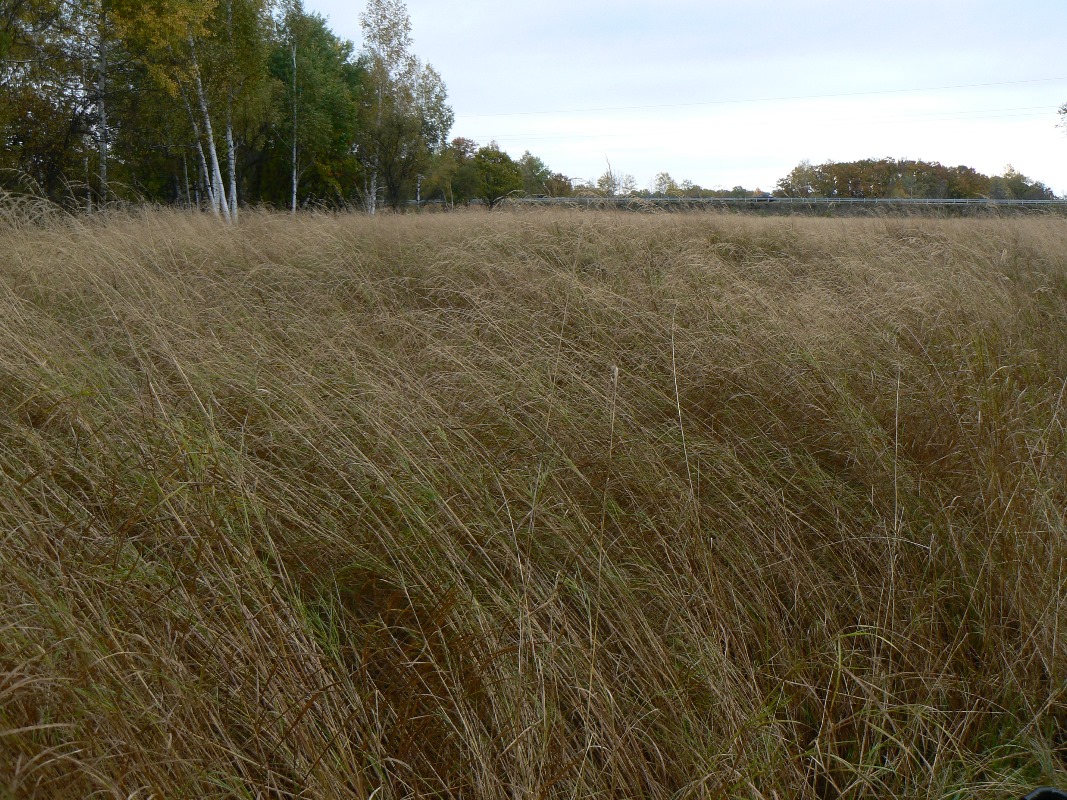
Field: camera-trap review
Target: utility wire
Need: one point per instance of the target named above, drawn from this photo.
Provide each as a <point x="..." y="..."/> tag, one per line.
<point x="931" y="116"/>
<point x="765" y="99"/>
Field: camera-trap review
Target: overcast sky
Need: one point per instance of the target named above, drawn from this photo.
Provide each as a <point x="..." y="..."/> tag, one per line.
<point x="733" y="92"/>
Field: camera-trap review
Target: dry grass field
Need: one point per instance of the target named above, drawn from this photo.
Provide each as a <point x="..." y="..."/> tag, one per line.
<point x="533" y="505"/>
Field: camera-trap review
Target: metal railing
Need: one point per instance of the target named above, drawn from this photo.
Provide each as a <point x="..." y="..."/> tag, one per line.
<point x="784" y="201"/>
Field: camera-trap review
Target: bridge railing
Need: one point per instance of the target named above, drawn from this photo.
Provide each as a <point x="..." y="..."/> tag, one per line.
<point x="783" y="201"/>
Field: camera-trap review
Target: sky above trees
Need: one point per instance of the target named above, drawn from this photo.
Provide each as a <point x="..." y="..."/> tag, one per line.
<point x="727" y="93"/>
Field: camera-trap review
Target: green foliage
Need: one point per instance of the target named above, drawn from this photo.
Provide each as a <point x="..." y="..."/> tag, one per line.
<point x="559" y="185"/>
<point x="539" y="179"/>
<point x="613" y="183"/>
<point x="535" y="174"/>
<point x="329" y="83"/>
<point x="41" y="138"/>
<point x="45" y="122"/>
<point x="452" y="177"/>
<point x="663" y="185"/>
<point x="903" y="178"/>
<point x="496" y="174"/>
<point x="1013" y="185"/>
<point x="404" y="114"/>
<point x="139" y="100"/>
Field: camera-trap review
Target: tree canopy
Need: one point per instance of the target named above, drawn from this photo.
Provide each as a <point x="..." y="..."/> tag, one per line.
<point x="903" y="178"/>
<point x="213" y="103"/>
<point x="497" y="174"/>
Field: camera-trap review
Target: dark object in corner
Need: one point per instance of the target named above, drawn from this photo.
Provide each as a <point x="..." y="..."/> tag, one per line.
<point x="1046" y="793"/>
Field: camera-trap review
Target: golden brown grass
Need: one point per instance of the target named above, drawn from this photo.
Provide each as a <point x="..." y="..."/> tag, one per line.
<point x="533" y="505"/>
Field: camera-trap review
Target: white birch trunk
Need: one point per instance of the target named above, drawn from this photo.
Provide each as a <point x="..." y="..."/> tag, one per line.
<point x="205" y="178"/>
<point x="231" y="157"/>
<point x="212" y="151"/>
<point x="296" y="174"/>
<point x="101" y="91"/>
<point x="372" y="192"/>
<point x="231" y="152"/>
<point x="185" y="170"/>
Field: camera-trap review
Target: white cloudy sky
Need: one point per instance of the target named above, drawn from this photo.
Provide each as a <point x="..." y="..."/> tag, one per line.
<point x="727" y="92"/>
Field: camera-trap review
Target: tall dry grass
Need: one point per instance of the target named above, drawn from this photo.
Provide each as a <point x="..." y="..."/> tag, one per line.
<point x="538" y="505"/>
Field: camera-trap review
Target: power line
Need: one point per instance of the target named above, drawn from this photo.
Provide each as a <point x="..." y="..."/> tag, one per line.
<point x="767" y="99"/>
<point x="927" y="116"/>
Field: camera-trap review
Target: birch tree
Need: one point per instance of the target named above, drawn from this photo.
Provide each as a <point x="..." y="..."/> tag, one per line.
<point x="242" y="63"/>
<point x="322" y="82"/>
<point x="206" y="55"/>
<point x="405" y="114"/>
<point x="210" y="103"/>
<point x="166" y="34"/>
<point x="92" y="38"/>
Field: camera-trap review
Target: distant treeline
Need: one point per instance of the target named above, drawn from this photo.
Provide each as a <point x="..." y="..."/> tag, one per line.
<point x="868" y="178"/>
<point x="218" y="104"/>
<point x="902" y="178"/>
